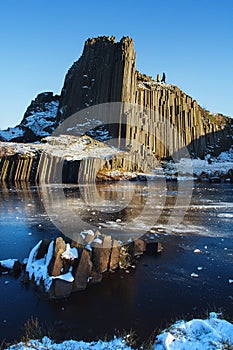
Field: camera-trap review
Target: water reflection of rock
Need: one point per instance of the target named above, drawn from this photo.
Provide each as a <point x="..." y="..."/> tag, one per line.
<point x="22" y="192"/>
<point x="124" y="209"/>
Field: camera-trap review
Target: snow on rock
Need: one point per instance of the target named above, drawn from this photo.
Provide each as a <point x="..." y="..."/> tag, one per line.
<point x="70" y="253"/>
<point x="212" y="333"/>
<point x="222" y="164"/>
<point x="65" y="146"/>
<point x="42" y="122"/>
<point x="8" y="263"/>
<point x="46" y="343"/>
<point x="38" y="268"/>
<point x="39" y="120"/>
<point x="68" y="277"/>
<point x="97" y="240"/>
<point x="11" y="133"/>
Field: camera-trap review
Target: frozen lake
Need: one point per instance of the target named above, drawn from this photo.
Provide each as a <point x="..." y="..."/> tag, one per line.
<point x="158" y="291"/>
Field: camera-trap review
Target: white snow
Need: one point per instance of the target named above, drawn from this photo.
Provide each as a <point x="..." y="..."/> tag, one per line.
<point x="90" y="232"/>
<point x="70" y="253"/>
<point x="68" y="277"/>
<point x="197" y="251"/>
<point x="11" y="133"/>
<point x="97" y="240"/>
<point x="194" y="275"/>
<point x="8" y="263"/>
<point x="38" y="268"/>
<point x="65" y="146"/>
<point x="209" y="334"/>
<point x="37" y="122"/>
<point x="221" y="164"/>
<point x="46" y="343"/>
<point x="32" y="257"/>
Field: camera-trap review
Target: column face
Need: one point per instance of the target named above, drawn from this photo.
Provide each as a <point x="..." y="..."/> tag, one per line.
<point x="106" y="72"/>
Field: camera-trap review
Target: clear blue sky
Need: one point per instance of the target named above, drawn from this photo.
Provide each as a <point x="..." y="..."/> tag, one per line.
<point x="191" y="40"/>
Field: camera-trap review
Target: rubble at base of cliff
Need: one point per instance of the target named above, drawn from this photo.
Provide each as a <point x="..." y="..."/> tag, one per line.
<point x="210" y="169"/>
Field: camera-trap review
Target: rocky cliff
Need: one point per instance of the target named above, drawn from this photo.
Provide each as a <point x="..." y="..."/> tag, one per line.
<point x="106" y="72"/>
<point x="167" y="121"/>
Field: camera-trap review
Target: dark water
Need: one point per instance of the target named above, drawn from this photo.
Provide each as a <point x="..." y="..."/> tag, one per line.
<point x="157" y="292"/>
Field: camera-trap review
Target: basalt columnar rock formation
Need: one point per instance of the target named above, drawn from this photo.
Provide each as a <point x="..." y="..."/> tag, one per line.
<point x="156" y="120"/>
<point x="106" y="72"/>
<point x="63" y="268"/>
<point x="63" y="159"/>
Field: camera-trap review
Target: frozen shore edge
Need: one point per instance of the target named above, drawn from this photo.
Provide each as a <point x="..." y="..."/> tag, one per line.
<point x="202" y="334"/>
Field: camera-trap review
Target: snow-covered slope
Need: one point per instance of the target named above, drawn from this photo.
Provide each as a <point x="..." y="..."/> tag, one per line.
<point x="38" y="121"/>
<point x="41" y="122"/>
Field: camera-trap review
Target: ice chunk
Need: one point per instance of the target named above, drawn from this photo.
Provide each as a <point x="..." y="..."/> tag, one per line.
<point x="194" y="275"/>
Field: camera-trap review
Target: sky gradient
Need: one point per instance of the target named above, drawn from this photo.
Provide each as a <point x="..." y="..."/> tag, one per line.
<point x="190" y="40"/>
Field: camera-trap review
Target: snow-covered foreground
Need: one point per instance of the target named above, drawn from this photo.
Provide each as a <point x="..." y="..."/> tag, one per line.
<point x="212" y="333"/>
<point x="209" y="334"/>
<point x="46" y="343"/>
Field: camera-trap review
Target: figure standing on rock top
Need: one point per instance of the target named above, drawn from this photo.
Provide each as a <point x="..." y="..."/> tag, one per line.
<point x="163" y="80"/>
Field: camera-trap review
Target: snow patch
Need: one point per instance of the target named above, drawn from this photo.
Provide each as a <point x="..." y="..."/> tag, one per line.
<point x="70" y="253"/>
<point x="209" y="334"/>
<point x="11" y="133"/>
<point x="212" y="333"/>
<point x="68" y="277"/>
<point x="210" y="165"/>
<point x="97" y="240"/>
<point x="37" y="122"/>
<point x="46" y="343"/>
<point x="38" y="268"/>
<point x="8" y="263"/>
